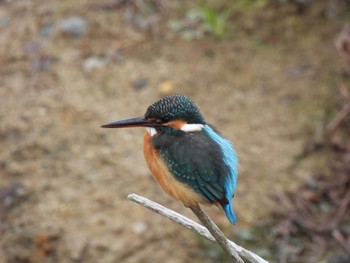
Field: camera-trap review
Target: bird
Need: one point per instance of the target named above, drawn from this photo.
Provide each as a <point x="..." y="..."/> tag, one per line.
<point x="190" y="159"/>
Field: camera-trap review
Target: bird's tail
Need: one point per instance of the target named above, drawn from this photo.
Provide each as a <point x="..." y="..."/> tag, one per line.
<point x="229" y="212"/>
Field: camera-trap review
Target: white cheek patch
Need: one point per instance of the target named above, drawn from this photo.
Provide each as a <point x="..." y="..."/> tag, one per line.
<point x="191" y="127"/>
<point x="151" y="131"/>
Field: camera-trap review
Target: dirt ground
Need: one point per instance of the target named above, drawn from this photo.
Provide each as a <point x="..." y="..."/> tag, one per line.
<point x="64" y="180"/>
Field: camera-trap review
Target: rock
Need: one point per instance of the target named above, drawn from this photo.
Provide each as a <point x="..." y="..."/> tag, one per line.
<point x="10" y="196"/>
<point x="33" y="47"/>
<point x="140" y="83"/>
<point x="243" y="234"/>
<point x="42" y="62"/>
<point x="297" y="70"/>
<point x="146" y="23"/>
<point x="74" y="25"/>
<point x="47" y="30"/>
<point x="114" y="55"/>
<point x="166" y="87"/>
<point x="4" y="21"/>
<point x="139" y="227"/>
<point x="93" y="63"/>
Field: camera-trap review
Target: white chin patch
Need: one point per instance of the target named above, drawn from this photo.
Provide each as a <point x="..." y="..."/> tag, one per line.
<point x="151" y="131"/>
<point x="192" y="127"/>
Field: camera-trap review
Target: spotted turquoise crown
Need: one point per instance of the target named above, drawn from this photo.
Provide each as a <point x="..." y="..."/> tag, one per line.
<point x="175" y="107"/>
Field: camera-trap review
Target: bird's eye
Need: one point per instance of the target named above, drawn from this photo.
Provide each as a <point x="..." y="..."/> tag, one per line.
<point x="158" y="121"/>
<point x="165" y="120"/>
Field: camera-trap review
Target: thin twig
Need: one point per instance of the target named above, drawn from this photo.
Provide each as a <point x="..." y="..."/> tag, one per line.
<point x="83" y="253"/>
<point x="341" y="240"/>
<point x="339" y="118"/>
<point x="216" y="233"/>
<point x="336" y="122"/>
<point x="245" y="254"/>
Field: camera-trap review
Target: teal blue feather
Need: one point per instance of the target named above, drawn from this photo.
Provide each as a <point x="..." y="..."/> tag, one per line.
<point x="231" y="160"/>
<point x="204" y="161"/>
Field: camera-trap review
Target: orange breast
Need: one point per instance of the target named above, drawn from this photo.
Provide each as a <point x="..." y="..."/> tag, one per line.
<point x="164" y="177"/>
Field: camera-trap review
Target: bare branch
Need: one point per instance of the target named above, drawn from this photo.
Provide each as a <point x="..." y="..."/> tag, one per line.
<point x="216" y="233"/>
<point x="245" y="254"/>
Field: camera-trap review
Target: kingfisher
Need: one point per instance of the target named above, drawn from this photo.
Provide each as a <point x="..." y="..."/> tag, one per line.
<point x="189" y="158"/>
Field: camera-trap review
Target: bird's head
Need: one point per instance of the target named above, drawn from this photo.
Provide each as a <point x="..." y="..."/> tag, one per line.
<point x="172" y="114"/>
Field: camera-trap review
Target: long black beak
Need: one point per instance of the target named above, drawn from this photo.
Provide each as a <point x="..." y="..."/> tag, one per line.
<point x="134" y="122"/>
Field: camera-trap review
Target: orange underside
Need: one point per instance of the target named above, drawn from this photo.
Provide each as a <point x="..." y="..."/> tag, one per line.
<point x="165" y="179"/>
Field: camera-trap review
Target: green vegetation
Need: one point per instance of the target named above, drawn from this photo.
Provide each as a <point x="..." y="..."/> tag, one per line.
<point x="202" y="21"/>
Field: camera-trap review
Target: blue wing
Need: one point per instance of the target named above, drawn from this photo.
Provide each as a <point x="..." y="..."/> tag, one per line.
<point x="231" y="160"/>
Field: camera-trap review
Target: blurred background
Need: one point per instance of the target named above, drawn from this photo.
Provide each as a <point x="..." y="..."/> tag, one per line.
<point x="272" y="75"/>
